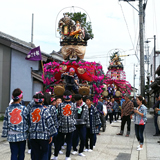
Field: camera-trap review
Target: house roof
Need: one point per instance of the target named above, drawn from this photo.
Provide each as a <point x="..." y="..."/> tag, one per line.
<point x="37" y="75"/>
<point x="158" y="70"/>
<point x="25" y="47"/>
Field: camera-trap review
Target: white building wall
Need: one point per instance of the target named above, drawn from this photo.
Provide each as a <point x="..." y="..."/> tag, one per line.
<point x="37" y="87"/>
<point x="152" y="64"/>
<point x="21" y="74"/>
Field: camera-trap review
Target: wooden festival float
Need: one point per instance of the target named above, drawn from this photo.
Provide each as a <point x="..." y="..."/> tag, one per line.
<point x="115" y="83"/>
<point x="74" y="33"/>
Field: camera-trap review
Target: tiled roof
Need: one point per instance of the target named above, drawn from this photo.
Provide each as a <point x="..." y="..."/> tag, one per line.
<point x="7" y="39"/>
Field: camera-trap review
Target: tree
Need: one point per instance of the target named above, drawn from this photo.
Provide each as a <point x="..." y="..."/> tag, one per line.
<point x="78" y="16"/>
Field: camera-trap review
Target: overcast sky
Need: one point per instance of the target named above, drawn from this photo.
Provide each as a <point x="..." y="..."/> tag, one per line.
<point x="115" y="26"/>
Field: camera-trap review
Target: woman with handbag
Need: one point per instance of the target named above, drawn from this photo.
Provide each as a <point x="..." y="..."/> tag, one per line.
<point x="140" y="120"/>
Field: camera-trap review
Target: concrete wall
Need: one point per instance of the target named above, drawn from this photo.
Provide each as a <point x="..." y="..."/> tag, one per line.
<point x="21" y="74"/>
<point x="37" y="86"/>
<point x="5" y="58"/>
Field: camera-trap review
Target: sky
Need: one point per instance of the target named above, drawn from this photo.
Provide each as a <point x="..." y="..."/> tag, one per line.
<point x="115" y="26"/>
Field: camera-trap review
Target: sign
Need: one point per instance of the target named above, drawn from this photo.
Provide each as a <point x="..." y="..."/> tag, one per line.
<point x="34" y="54"/>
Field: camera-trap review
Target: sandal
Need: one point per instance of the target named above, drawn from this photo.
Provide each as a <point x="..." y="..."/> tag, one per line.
<point x="119" y="134"/>
<point x="127" y="135"/>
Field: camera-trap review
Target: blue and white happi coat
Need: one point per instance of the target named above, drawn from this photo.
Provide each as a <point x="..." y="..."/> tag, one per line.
<point x="66" y="112"/>
<point x="15" y="124"/>
<point x="94" y="119"/>
<point x="41" y="123"/>
<point x="53" y="112"/>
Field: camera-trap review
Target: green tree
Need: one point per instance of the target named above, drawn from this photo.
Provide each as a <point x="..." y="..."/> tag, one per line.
<point x="82" y="18"/>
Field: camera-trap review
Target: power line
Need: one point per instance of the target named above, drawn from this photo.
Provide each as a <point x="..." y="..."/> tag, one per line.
<point x="107" y="56"/>
<point x="128" y="29"/>
<point x="126" y="25"/>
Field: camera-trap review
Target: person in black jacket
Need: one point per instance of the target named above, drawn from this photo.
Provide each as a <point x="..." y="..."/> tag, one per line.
<point x="156" y="105"/>
<point x="82" y="121"/>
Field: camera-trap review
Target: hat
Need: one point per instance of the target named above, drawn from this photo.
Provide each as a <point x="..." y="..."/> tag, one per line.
<point x="67" y="95"/>
<point x="53" y="99"/>
<point x="71" y="70"/>
<point x="38" y="97"/>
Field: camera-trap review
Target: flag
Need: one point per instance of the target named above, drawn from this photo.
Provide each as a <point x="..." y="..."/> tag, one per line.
<point x="34" y="54"/>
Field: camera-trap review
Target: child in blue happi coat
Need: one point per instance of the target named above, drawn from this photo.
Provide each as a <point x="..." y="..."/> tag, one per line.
<point x="94" y="123"/>
<point x="66" y="123"/>
<point x="15" y="126"/>
<point x="41" y="128"/>
<point x="52" y="110"/>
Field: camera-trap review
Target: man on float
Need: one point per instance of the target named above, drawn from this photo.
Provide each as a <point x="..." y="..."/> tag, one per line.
<point x="71" y="79"/>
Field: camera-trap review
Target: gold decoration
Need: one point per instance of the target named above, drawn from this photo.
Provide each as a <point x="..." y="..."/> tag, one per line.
<point x="81" y="70"/>
<point x="84" y="90"/>
<point x="59" y="90"/>
<point x="118" y="93"/>
<point x="105" y="93"/>
<point x="63" y="68"/>
<point x="73" y="50"/>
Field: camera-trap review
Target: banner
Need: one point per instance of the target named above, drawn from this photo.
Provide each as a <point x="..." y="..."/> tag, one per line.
<point x="34" y="54"/>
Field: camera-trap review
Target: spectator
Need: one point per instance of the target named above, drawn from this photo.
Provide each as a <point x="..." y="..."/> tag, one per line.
<point x="115" y="109"/>
<point x="126" y="114"/>
<point x="156" y="115"/>
<point x="109" y="110"/>
<point x="140" y="120"/>
<point x="99" y="107"/>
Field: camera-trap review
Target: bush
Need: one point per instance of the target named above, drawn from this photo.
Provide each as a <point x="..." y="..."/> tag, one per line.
<point x="1" y="118"/>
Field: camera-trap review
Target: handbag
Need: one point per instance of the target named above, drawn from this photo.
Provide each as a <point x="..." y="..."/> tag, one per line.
<point x="109" y="111"/>
<point x="141" y="122"/>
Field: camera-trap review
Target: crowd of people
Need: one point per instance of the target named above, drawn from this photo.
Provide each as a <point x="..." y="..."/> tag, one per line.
<point x="72" y="120"/>
<point x="48" y="121"/>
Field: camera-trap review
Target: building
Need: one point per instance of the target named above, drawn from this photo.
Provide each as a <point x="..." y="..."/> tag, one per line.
<point x="154" y="82"/>
<point x="157" y="58"/>
<point x="134" y="92"/>
<point x="16" y="72"/>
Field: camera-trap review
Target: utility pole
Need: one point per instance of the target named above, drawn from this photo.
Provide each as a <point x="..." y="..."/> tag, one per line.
<point x="141" y="39"/>
<point x="154" y="56"/>
<point x="134" y="80"/>
<point x="32" y="28"/>
<point x="141" y="48"/>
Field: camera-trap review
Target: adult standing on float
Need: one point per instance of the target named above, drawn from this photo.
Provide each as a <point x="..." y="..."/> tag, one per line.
<point x="140" y="120"/>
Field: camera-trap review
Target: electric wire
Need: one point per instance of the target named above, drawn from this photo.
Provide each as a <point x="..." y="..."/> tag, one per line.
<point x="126" y="24"/>
<point x="128" y="29"/>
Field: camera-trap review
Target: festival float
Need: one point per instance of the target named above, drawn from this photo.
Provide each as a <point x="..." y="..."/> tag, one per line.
<point x="74" y="33"/>
<point x="115" y="83"/>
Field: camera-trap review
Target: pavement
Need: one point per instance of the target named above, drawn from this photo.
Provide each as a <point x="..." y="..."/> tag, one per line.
<point x="110" y="146"/>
